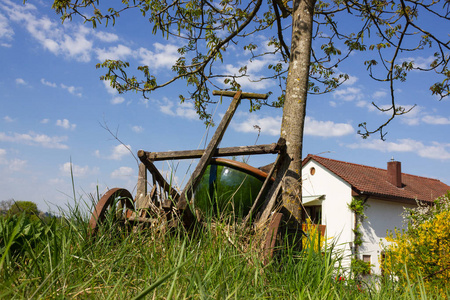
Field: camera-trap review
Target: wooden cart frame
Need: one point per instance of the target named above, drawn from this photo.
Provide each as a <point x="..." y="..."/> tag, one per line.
<point x="164" y="199"/>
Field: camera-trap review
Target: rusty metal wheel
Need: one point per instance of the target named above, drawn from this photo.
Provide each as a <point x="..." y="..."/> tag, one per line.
<point x="115" y="205"/>
<point x="272" y="237"/>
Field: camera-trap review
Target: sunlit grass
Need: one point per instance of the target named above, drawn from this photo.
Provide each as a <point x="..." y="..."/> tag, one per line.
<point x="218" y="261"/>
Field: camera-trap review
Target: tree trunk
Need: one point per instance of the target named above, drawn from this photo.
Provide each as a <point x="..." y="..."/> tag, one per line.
<point x="295" y="105"/>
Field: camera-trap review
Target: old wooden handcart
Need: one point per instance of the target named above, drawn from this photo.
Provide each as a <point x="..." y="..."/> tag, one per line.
<point x="164" y="201"/>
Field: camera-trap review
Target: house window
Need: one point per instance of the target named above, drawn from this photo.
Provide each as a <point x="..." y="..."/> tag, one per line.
<point x="315" y="213"/>
<point x="312" y="171"/>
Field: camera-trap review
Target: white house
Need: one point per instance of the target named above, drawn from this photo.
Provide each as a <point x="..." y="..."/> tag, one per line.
<point x="330" y="185"/>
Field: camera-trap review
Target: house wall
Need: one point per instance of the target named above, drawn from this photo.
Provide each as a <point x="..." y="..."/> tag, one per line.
<point x="335" y="212"/>
<point x="381" y="216"/>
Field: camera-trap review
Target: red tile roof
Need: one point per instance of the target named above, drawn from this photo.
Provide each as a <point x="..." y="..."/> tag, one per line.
<point x="367" y="180"/>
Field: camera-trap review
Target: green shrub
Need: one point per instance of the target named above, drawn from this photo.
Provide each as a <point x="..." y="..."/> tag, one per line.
<point x="28" y="208"/>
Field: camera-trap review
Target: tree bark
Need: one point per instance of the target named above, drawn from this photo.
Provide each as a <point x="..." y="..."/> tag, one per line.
<point x="295" y="105"/>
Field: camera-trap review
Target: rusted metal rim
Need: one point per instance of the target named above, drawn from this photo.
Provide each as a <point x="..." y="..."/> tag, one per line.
<point x="106" y="200"/>
<point x="270" y="242"/>
<point x="240" y="166"/>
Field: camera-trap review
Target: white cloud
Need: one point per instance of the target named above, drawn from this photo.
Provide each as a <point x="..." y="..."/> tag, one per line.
<point x="362" y="103"/>
<point x="35" y="139"/>
<point x="268" y="125"/>
<point x="45" y="121"/>
<point x="48" y="83"/>
<point x="137" y="129"/>
<point x="71" y="89"/>
<point x="144" y="102"/>
<point x="326" y="128"/>
<point x="119" y="52"/>
<point x="78" y="171"/>
<point x="257" y="68"/>
<point x="117" y="152"/>
<point x="2" y="156"/>
<point x="254" y="73"/>
<point x="184" y="110"/>
<point x="412" y="118"/>
<point x="351" y="80"/>
<point x="410" y="121"/>
<point x="272" y="125"/>
<point x="106" y="37"/>
<point x="348" y="94"/>
<point x="434" y="151"/>
<point x="379" y="94"/>
<point x="13" y="164"/>
<point x="117" y="100"/>
<point x="6" y="32"/>
<point x="163" y="56"/>
<point x="120" y="151"/>
<point x="418" y="115"/>
<point x="123" y="172"/>
<point x="420" y="62"/>
<point x="65" y="124"/>
<point x="436" y="120"/>
<point x="109" y="89"/>
<point x="20" y="81"/>
<point x="8" y="119"/>
<point x="69" y="40"/>
<point x="77" y="44"/>
<point x="167" y="107"/>
<point x="17" y="164"/>
<point x="41" y="29"/>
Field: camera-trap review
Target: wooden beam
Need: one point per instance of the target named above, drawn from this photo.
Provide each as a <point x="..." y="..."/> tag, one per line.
<point x="160" y="179"/>
<point x="265" y="186"/>
<point x="220" y="152"/>
<point x="186" y="195"/>
<point x="243" y="95"/>
<point x="141" y="190"/>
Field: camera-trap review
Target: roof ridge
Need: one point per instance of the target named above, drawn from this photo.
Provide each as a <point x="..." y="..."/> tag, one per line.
<point x="365" y="166"/>
<point x="345" y="162"/>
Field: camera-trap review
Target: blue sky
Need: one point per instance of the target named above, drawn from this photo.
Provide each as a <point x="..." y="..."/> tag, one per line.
<point x="53" y="110"/>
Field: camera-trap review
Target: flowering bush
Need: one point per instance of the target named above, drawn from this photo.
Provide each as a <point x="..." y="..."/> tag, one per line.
<point x="422" y="252"/>
<point x="313" y="237"/>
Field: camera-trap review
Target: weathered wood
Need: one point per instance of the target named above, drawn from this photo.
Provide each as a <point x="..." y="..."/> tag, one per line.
<point x="153" y="193"/>
<point x="220" y="152"/>
<point x="263" y="189"/>
<point x="149" y="205"/>
<point x="205" y="159"/>
<point x="141" y="189"/>
<point x="269" y="203"/>
<point x="160" y="179"/>
<point x="243" y="95"/>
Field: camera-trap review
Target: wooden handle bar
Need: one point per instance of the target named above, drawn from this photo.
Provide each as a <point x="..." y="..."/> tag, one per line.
<point x="219" y="152"/>
<point x="243" y="95"/>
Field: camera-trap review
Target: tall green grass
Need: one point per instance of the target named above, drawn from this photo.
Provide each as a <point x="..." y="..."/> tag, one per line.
<point x="218" y="261"/>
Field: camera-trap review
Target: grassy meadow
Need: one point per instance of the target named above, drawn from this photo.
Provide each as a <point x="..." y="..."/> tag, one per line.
<point x="56" y="259"/>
